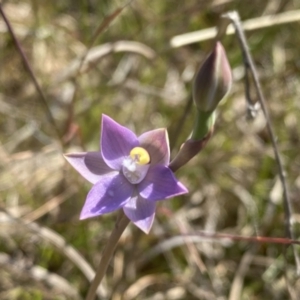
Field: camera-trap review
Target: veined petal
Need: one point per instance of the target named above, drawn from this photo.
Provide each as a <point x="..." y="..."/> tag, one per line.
<point x="90" y="165"/>
<point x="156" y="142"/>
<point x="116" y="142"/>
<point x="141" y="212"/>
<point x="109" y="194"/>
<point x="160" y="183"/>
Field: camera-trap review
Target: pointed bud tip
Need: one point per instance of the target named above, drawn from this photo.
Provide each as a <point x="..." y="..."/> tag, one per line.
<point x="213" y="80"/>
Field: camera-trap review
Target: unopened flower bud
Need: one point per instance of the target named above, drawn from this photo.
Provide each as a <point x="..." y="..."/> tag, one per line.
<point x="213" y="80"/>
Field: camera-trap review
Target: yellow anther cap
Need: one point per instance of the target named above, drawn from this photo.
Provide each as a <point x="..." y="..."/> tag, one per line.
<point x="140" y="155"/>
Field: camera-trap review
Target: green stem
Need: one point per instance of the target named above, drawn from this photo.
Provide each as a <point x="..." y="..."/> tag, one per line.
<point x="204" y="121"/>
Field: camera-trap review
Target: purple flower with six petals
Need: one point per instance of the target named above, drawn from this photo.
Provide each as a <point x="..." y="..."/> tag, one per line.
<point x="128" y="172"/>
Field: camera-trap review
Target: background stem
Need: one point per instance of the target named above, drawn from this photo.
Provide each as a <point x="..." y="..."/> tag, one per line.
<point x="235" y="19"/>
<point x="32" y="76"/>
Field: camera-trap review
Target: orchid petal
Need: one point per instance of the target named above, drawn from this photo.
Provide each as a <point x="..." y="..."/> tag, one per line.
<point x="141" y="212"/>
<point x="160" y="183"/>
<point x="116" y="142"/>
<point x="90" y="165"/>
<point x="156" y="142"/>
<point x="109" y="194"/>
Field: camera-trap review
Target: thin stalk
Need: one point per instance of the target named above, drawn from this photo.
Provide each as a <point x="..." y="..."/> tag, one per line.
<point x="31" y="73"/>
<point x="102" y="26"/>
<point x="235" y="19"/>
<point x="107" y="254"/>
<point x="181" y="122"/>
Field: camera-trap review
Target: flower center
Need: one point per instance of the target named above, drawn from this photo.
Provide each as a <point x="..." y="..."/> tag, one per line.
<point x="136" y="165"/>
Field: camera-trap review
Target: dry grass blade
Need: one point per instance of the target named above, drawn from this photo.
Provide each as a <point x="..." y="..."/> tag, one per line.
<point x="33" y="168"/>
<point x="96" y="53"/>
<point x="49" y="205"/>
<point x="39" y="274"/>
<point x="173" y="242"/>
<point x="133" y="291"/>
<point x="248" y="25"/>
<point x="19" y="136"/>
<point x="66" y="249"/>
<point x="238" y="281"/>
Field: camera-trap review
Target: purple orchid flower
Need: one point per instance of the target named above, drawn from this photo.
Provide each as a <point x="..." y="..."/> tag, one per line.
<point x="128" y="172"/>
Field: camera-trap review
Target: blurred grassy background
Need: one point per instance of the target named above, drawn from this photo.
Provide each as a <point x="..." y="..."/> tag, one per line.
<point x="233" y="183"/>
